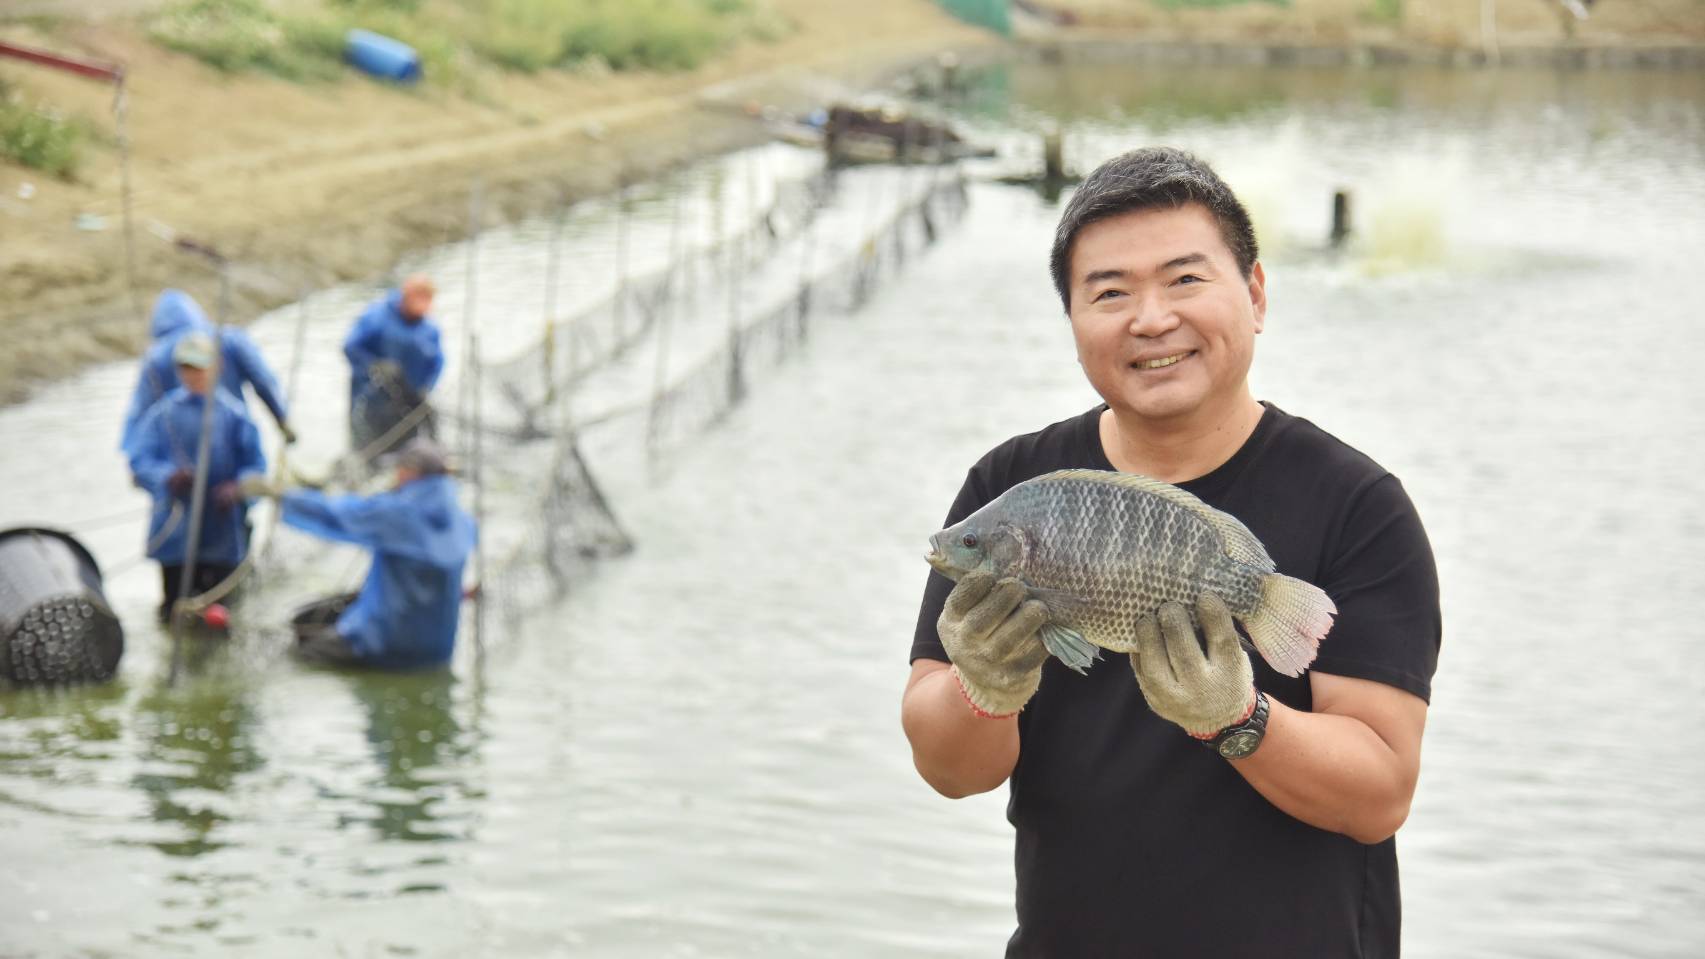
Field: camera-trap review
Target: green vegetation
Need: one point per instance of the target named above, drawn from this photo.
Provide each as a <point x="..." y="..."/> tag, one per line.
<point x="38" y="138"/>
<point x="455" y="38"/>
<point x="655" y="34"/>
<point x="239" y="35"/>
<point x="1387" y="11"/>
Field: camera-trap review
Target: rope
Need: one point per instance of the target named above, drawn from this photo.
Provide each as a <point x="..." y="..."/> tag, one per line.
<point x="172" y="520"/>
<point x="112" y="519"/>
<point x="198" y="604"/>
<point x="290" y="381"/>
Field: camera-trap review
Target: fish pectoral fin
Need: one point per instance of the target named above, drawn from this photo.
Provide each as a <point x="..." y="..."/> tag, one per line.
<point x="1061" y="604"/>
<point x="1069" y="647"/>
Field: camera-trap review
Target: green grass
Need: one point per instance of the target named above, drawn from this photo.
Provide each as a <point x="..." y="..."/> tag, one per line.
<point x="643" y="34"/>
<point x="1387" y="11"/>
<point x="456" y="38"/>
<point x="40" y="139"/>
<point x="245" y="35"/>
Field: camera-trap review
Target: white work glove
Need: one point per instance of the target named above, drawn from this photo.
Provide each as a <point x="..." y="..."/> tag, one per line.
<point x="989" y="631"/>
<point x="256" y="486"/>
<point x="1204" y="692"/>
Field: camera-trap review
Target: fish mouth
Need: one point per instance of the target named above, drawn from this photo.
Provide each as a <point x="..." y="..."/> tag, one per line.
<point x="938" y="560"/>
<point x="1161" y="362"/>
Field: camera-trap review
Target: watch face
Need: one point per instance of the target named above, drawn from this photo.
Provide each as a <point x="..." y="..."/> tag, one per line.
<point x="1240" y="744"/>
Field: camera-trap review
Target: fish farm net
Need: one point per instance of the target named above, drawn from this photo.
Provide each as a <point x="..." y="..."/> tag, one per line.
<point x="677" y="343"/>
<point x="702" y="331"/>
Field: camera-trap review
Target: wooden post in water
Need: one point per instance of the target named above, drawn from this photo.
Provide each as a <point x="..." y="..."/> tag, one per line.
<point x="1053" y="157"/>
<point x="1489" y="31"/>
<point x="1340" y="218"/>
<point x="949" y="63"/>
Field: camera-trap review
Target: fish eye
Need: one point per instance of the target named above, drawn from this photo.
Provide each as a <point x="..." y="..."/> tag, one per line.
<point x="970" y="540"/>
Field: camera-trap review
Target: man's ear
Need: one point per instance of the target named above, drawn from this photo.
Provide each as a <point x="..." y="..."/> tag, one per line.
<point x="1258" y="294"/>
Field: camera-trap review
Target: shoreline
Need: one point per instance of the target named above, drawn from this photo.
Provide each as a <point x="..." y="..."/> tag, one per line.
<point x="306" y="186"/>
<point x="343" y="180"/>
<point x="1153" y="47"/>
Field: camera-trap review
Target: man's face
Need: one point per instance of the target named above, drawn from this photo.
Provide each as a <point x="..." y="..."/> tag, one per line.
<point x="195" y="379"/>
<point x="1165" y="323"/>
<point x="405" y="476"/>
<point x="416" y="303"/>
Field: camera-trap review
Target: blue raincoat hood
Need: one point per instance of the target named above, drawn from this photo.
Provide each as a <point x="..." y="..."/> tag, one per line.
<point x="176" y="311"/>
<point x="240" y="362"/>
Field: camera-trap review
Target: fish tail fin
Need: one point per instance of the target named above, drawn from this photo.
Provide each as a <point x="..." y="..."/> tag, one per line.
<point x="1069" y="647"/>
<point x="1290" y="622"/>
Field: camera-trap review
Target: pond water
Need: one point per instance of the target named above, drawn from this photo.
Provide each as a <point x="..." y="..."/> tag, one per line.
<point x="696" y="750"/>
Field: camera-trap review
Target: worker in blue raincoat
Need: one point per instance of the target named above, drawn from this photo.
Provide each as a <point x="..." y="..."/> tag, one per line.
<point x="177" y="314"/>
<point x="163" y="453"/>
<point x="395" y="359"/>
<point x="406" y="614"/>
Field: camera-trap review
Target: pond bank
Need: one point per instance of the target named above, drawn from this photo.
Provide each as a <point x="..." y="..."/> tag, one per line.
<point x="1075" y="46"/>
<point x="304" y="185"/>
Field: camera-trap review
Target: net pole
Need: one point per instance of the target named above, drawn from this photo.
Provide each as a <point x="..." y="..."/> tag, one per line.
<point x="477" y="370"/>
<point x="203" y="459"/>
<point x="290" y="381"/>
<point x="470" y="431"/>
<point x="621" y="255"/>
<point x="660" y="370"/>
<point x="553" y="257"/>
<point x="464" y="386"/>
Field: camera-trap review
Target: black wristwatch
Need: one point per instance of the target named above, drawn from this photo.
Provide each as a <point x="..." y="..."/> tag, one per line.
<point x="1242" y="739"/>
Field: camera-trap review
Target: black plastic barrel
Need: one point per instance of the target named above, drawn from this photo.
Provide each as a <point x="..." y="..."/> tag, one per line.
<point x="55" y="624"/>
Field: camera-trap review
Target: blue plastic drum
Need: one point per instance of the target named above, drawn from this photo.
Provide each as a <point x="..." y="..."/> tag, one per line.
<point x="381" y="56"/>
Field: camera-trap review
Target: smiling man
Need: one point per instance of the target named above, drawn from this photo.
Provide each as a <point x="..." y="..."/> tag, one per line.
<point x="1274" y="835"/>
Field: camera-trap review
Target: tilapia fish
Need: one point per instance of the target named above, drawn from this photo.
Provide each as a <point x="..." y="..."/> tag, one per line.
<point x="1102" y="549"/>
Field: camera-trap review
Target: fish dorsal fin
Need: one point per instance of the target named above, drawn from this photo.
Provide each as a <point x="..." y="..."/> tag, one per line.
<point x="1240" y="544"/>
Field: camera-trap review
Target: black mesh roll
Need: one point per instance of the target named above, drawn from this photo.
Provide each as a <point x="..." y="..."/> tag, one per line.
<point x="55" y="624"/>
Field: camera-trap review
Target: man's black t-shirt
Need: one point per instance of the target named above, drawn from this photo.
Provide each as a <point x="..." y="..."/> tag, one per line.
<point x="1132" y="839"/>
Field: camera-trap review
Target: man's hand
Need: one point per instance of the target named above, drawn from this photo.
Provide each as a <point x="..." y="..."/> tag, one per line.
<point x="989" y="631"/>
<point x="1204" y="693"/>
<point x="385" y="374"/>
<point x="227" y="495"/>
<point x="180" y="483"/>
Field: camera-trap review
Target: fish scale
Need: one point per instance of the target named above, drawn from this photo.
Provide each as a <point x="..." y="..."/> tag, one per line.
<point x="1141" y="553"/>
<point x="1102" y="549"/>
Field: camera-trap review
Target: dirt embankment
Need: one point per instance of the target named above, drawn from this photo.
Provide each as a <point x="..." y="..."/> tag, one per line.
<point x="306" y="185"/>
<point x="1438" y="24"/>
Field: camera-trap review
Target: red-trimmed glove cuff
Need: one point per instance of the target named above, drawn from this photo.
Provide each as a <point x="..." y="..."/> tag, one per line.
<point x="1254" y="697"/>
<point x="978" y="710"/>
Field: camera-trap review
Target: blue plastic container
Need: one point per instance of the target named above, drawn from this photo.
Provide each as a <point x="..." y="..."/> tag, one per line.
<point x="381" y="56"/>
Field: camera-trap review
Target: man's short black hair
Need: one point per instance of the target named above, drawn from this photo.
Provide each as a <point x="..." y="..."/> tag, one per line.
<point x="1140" y="180"/>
